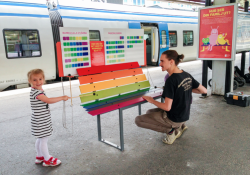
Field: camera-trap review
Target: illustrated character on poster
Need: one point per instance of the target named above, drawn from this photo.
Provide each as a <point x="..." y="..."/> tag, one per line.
<point x="210" y="40"/>
<point x="215" y="39"/>
<point x="222" y="41"/>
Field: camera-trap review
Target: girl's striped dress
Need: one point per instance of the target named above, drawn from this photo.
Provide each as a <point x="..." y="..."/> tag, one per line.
<point x="41" y="125"/>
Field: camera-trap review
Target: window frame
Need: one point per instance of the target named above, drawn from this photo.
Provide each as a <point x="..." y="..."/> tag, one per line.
<point x="95" y="31"/>
<point x="39" y="42"/>
<point x="192" y="37"/>
<point x="176" y="38"/>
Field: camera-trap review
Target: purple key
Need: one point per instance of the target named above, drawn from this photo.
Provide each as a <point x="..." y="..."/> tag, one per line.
<point x="84" y="43"/>
<point x="85" y="64"/>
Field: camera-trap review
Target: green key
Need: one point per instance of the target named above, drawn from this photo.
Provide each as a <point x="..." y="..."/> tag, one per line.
<point x="114" y="91"/>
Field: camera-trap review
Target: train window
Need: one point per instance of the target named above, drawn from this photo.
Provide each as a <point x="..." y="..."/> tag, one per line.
<point x="173" y="38"/>
<point x="94" y="35"/>
<point x="163" y="39"/>
<point x="22" y="43"/>
<point x="188" y="39"/>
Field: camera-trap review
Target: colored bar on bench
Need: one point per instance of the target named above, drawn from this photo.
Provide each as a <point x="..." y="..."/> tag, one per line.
<point x="106" y="68"/>
<point x="123" y="104"/>
<point x="114" y="99"/>
<point x="109" y="75"/>
<point x="114" y="91"/>
<point x="111" y="83"/>
<point x="117" y="102"/>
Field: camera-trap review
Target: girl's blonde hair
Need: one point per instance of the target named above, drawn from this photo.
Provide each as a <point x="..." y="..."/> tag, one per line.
<point x="35" y="72"/>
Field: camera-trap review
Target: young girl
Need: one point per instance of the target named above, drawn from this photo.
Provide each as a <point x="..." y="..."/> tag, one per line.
<point x="41" y="126"/>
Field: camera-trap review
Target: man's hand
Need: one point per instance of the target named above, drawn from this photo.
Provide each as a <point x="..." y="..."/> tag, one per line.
<point x="149" y="99"/>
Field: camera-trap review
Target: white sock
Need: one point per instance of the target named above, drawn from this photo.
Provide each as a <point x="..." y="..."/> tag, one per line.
<point x="44" y="147"/>
<point x="37" y="146"/>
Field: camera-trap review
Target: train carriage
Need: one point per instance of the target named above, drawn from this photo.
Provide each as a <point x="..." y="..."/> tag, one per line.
<point x="30" y="32"/>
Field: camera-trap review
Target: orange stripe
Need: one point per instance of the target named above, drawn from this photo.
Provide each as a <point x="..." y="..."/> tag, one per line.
<point x="111" y="83"/>
<point x="109" y="75"/>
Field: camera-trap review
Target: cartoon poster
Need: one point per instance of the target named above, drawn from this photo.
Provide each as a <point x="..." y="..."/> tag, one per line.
<point x="217" y="33"/>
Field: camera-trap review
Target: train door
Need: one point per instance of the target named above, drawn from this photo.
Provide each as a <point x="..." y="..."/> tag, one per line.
<point x="164" y="38"/>
<point x="151" y="35"/>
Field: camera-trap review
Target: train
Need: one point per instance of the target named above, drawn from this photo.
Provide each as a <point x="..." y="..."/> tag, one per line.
<point x="30" y="32"/>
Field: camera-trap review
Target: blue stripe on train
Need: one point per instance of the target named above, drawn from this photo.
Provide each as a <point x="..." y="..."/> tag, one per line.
<point x="24" y="15"/>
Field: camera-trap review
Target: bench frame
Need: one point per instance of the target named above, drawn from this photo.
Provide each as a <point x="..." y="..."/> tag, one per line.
<point x="121" y="147"/>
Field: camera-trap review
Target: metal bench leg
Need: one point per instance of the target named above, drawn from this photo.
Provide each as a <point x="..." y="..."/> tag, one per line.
<point x="99" y="127"/>
<point x="121" y="148"/>
<point x="121" y="129"/>
<point x="162" y="100"/>
<point x="139" y="108"/>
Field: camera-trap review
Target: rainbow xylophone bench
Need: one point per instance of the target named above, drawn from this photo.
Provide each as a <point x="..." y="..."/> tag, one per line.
<point x="110" y="87"/>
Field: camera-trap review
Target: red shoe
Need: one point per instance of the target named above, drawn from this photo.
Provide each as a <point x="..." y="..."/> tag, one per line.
<point x="39" y="160"/>
<point x="51" y="162"/>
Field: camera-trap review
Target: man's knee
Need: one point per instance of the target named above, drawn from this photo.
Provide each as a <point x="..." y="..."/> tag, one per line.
<point x="138" y="120"/>
<point x="150" y="111"/>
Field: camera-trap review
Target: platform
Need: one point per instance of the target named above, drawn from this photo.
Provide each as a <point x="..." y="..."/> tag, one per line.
<point x="216" y="142"/>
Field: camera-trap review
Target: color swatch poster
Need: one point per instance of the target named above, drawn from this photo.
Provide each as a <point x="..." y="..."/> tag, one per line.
<point x="123" y="45"/>
<point x="75" y="49"/>
<point x="216" y="33"/>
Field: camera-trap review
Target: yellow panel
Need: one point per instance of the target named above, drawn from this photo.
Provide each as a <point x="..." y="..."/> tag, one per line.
<point x="111" y="83"/>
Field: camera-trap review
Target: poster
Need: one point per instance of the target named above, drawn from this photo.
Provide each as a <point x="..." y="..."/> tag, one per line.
<point x="217" y="28"/>
<point x="75" y="49"/>
<point x="97" y="53"/>
<point x="123" y="46"/>
<point x="243" y="32"/>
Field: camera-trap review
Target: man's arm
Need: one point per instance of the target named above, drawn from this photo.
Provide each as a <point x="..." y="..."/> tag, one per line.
<point x="200" y="90"/>
<point x="165" y="106"/>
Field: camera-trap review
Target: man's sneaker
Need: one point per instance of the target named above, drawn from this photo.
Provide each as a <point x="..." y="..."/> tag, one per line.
<point x="51" y="162"/>
<point x="39" y="160"/>
<point x="171" y="138"/>
<point x="182" y="129"/>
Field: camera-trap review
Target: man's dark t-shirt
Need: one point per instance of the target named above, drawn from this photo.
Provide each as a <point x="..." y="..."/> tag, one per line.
<point x="179" y="88"/>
